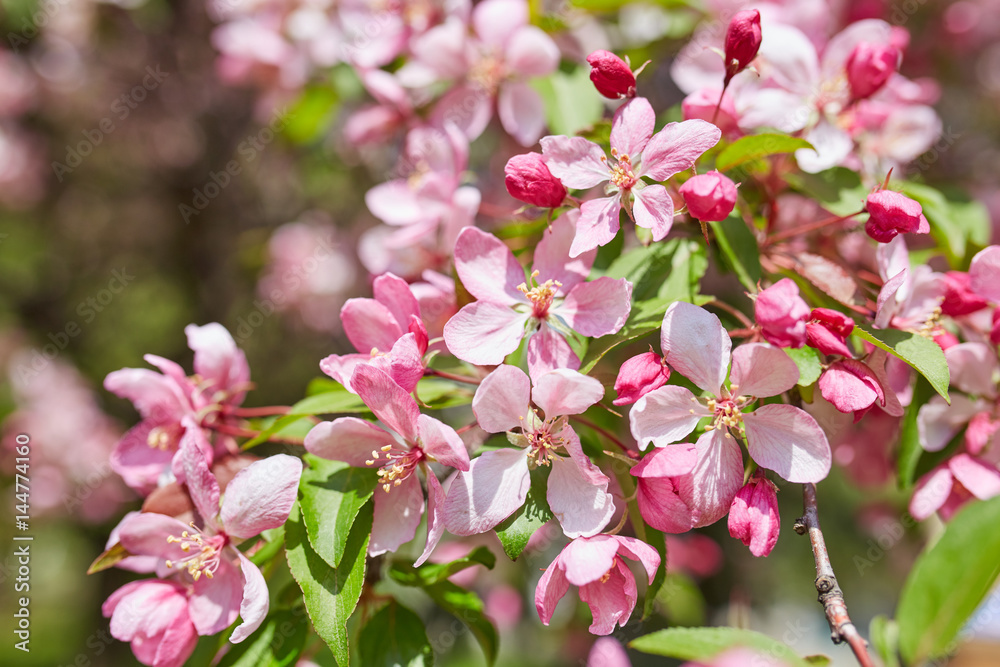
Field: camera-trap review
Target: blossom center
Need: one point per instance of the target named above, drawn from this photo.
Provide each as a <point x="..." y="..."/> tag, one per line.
<point x="165" y="437"/>
<point x="540" y="296"/>
<point x="727" y="413"/>
<point x="488" y="72"/>
<point x="399" y="464"/>
<point x="621" y="172"/>
<point x="542" y="444"/>
<point x="204" y="552"/>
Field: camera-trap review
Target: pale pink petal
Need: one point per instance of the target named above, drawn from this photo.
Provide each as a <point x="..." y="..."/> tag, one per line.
<point x="215" y="602"/>
<point x="788" y="440"/>
<point x="980" y="478"/>
<point x="551" y="588"/>
<point x="582" y="507"/>
<point x="762" y="370"/>
<point x="588" y="559"/>
<point x="611" y="602"/>
<point x="565" y="392"/>
<point x="218" y="361"/>
<point x="632" y="127"/>
<point x="502" y="400"/>
<point x="984" y="273"/>
<point x="139" y="464"/>
<point x="468" y="107"/>
<point x="696" y="345"/>
<point x="887" y="302"/>
<point x="440" y="442"/>
<point x="597" y="308"/>
<point x="715" y="480"/>
<point x="931" y="492"/>
<point x="369" y="325"/>
<point x="129" y="607"/>
<point x="578" y="163"/>
<point x="253" y="607"/>
<point x="521" y="111"/>
<point x="938" y="422"/>
<point x="607" y="652"/>
<point x="395" y="203"/>
<point x="484" y="333"/>
<point x="494" y="487"/>
<point x="387" y="400"/>
<point x="176" y="643"/>
<point x="341" y="367"/>
<point x="677" y="147"/>
<point x="155" y="397"/>
<point x="672" y="461"/>
<point x="531" y="52"/>
<point x="598" y="224"/>
<point x="348" y="439"/>
<point x="665" y="415"/>
<point x="973" y="368"/>
<point x="891" y="402"/>
<point x="549" y="350"/>
<point x="146" y="534"/>
<point x="261" y="495"/>
<point x="487" y="267"/>
<point x="496" y="21"/>
<point x="653" y="209"/>
<point x="397" y="516"/>
<point x="201" y="484"/>
<point x="435" y="518"/>
<point x="630" y="547"/>
<point x="552" y="260"/>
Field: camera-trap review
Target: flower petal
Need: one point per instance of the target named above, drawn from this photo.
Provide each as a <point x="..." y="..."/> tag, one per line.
<point x="435" y="517"/>
<point x="715" y="480"/>
<point x="531" y="52"/>
<point x="494" y="487"/>
<point x="665" y="415"/>
<point x="631" y="127"/>
<point x="253" y="607"/>
<point x="347" y="439"/>
<point x="215" y="602"/>
<point x="201" y="483"/>
<point x="487" y="267"/>
<point x="484" y="333"/>
<point x="931" y="492"/>
<point x="440" y="442"/>
<point x="397" y="516"/>
<point x="565" y="392"/>
<point x="146" y="534"/>
<point x="788" y="440"/>
<point x="578" y="163"/>
<point x="221" y="365"/>
<point x="696" y="345"/>
<point x="761" y="370"/>
<point x="980" y="478"/>
<point x="938" y="422"/>
<point x="552" y="260"/>
<point x="502" y="399"/>
<point x="611" y="602"/>
<point x="394" y="293"/>
<point x="370" y="325"/>
<point x="588" y="559"/>
<point x="387" y="400"/>
<point x="261" y="495"/>
<point x="550" y="589"/>
<point x="677" y="147"/>
<point x="598" y="224"/>
<point x="984" y="273"/>
<point x="973" y="368"/>
<point x="582" y="507"/>
<point x="521" y="111"/>
<point x="548" y="350"/>
<point x="638" y="550"/>
<point x="597" y="308"/>
<point x="653" y="209"/>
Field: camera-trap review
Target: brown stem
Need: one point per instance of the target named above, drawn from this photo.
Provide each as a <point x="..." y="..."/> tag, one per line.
<point x="583" y="421"/>
<point x="229" y="429"/>
<point x="451" y="376"/>
<point x="735" y="312"/>
<point x="830" y="595"/>
<point x="264" y="411"/>
<point x="719" y="105"/>
<point x="788" y="233"/>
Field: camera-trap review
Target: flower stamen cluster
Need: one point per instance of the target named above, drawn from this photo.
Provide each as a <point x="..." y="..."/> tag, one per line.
<point x="205" y="560"/>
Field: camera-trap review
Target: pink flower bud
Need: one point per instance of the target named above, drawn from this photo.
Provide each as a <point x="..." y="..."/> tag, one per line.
<point x="869" y="67"/>
<point x="959" y="299"/>
<point x="851" y="386"/>
<point x="700" y="105"/>
<point x="640" y="375"/>
<point x="709" y="197"/>
<point x="827" y="331"/>
<point x="891" y="213"/>
<point x="753" y="516"/>
<point x="611" y="75"/>
<point x="742" y="41"/>
<point x="944" y="339"/>
<point x="782" y="314"/>
<point x="529" y="179"/>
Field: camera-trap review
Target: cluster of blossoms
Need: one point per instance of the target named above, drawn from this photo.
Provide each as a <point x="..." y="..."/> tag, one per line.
<point x="718" y="416"/>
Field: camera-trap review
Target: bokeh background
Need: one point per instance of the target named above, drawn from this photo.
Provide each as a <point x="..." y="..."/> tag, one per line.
<point x="123" y="219"/>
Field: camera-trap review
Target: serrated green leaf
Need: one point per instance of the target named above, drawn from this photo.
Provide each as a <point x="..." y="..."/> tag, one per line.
<point x="430" y="574"/>
<point x="331" y="494"/>
<point x="910" y="449"/>
<point x="467" y="607"/>
<point x="808" y="361"/>
<point x="277" y="643"/>
<point x="739" y="250"/>
<point x="515" y="531"/>
<point x="921" y="353"/>
<point x="884" y="635"/>
<point x="571" y="101"/>
<point x="949" y="581"/>
<point x="703" y="644"/>
<point x="755" y="147"/>
<point x="331" y="594"/>
<point x="395" y="637"/>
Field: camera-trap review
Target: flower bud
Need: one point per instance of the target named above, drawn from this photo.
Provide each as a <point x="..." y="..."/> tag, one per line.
<point x="640" y="375"/>
<point x="782" y="314"/>
<point x="869" y="67"/>
<point x="701" y="104"/>
<point x="959" y="299"/>
<point x="529" y="179"/>
<point x="709" y="197"/>
<point x="891" y="213"/>
<point x="611" y="75"/>
<point x="851" y="386"/>
<point x="827" y="331"/>
<point x="742" y="41"/>
<point x="753" y="516"/>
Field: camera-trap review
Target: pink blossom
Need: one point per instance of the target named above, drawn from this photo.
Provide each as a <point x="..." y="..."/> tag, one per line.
<point x="529" y="180"/>
<point x="946" y="488"/>
<point x="891" y="213"/>
<point x="165" y="399"/>
<point x="596" y="564"/>
<point x="497" y="482"/>
<point x="409" y="441"/>
<point x="782" y="314"/>
<point x="910" y="296"/>
<point x="959" y="299"/>
<point x="640" y="375"/>
<point x="854" y="386"/>
<point x="827" y="331"/>
<point x="695" y="554"/>
<point x="753" y="517"/>
<point x="709" y="197"/>
<point x="869" y="67"/>
<point x="155" y="616"/>
<point x="221" y="582"/>
<point x="984" y="274"/>
<point x="740" y="657"/>
<point x="974" y="370"/>
<point x="611" y="75"/>
<point x="558" y="300"/>
<point x="702" y="105"/>
<point x="608" y="652"/>
<point x="779" y="437"/>
<point x="743" y="38"/>
<point x="636" y="152"/>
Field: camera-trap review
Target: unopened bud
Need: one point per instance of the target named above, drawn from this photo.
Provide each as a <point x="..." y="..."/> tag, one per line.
<point x="753" y="516"/>
<point x="529" y="180"/>
<point x="827" y="331"/>
<point x="782" y="314"/>
<point x="611" y="75"/>
<point x="709" y="197"/>
<point x="742" y="41"/>
<point x="869" y="67"/>
<point x="891" y="214"/>
<point x="640" y="375"/>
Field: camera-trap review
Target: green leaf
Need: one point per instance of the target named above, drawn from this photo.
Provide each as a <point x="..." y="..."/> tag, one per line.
<point x="755" y="147"/>
<point x="311" y="115"/>
<point x="910" y="449"/>
<point x="468" y="608"/>
<point x="656" y="540"/>
<point x="949" y="581"/>
<point x="331" y="494"/>
<point x="681" y="601"/>
<point x="515" y="531"/>
<point x="439" y="393"/>
<point x="739" y="249"/>
<point x="334" y="401"/>
<point x="808" y="361"/>
<point x="331" y="594"/>
<point x="921" y="353"/>
<point x="286" y="424"/>
<point x="571" y="101"/>
<point x="430" y="574"/>
<point x="277" y="643"/>
<point x="838" y="190"/>
<point x="884" y="635"/>
<point x="274" y="540"/>
<point x="954" y="225"/>
<point x="395" y="637"/>
<point x="108" y="558"/>
<point x="703" y="644"/>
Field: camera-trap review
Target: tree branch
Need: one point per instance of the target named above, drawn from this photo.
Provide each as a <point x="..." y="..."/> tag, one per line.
<point x="830" y="595"/>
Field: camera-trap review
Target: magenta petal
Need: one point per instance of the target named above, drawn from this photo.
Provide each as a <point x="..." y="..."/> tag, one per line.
<point x="598" y="224"/>
<point x="552" y="260"/>
<point x="484" y="333"/>
<point x="788" y="440"/>
<point x="261" y="496"/>
<point x="565" y="392"/>
<point x="984" y="273"/>
<point x="347" y="439"/>
<point x="487" y="267"/>
<point x="849" y="385"/>
<point x="494" y="487"/>
<point x="665" y="416"/>
<point x="581" y="507"/>
<point x="611" y="602"/>
<point x="661" y="505"/>
<point x="549" y="350"/>
<point x="201" y="483"/>
<point x="440" y="442"/>
<point x="653" y="209"/>
<point x="696" y="345"/>
<point x="435" y="518"/>
<point x="677" y="147"/>
<point x="762" y="370"/>
<point x="597" y="308"/>
<point x="931" y="492"/>
<point x="550" y="589"/>
<point x="397" y="515"/>
<point x="671" y="461"/>
<point x="578" y="163"/>
<point x="502" y="399"/>
<point x="980" y="478"/>
<point x="253" y="607"/>
<point x="387" y="400"/>
<point x="216" y="601"/>
<point x="631" y="127"/>
<point x="369" y="325"/>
